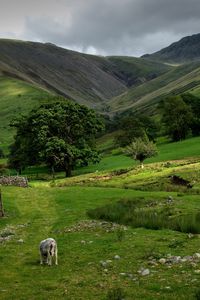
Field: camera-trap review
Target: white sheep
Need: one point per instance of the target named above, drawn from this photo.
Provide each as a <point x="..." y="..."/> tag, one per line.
<point x="48" y="249"/>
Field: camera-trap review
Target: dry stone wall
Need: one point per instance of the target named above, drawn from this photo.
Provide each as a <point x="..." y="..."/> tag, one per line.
<point x="14" y="180"/>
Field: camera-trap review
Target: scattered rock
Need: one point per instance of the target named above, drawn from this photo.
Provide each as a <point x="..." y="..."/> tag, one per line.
<point x="20" y="241"/>
<point x="103" y="263"/>
<point x="93" y="225"/>
<point x="169" y="200"/>
<point x="170" y="260"/>
<point x="144" y="272"/>
<point x="108" y="261"/>
<point x="196" y="256"/>
<point x="117" y="257"/>
<point x="190" y="235"/>
<point x="162" y="261"/>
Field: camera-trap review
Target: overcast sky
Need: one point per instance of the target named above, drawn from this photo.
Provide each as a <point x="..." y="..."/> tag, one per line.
<point x="105" y="27"/>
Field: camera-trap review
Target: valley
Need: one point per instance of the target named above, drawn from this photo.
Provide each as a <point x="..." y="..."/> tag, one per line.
<point x="123" y="231"/>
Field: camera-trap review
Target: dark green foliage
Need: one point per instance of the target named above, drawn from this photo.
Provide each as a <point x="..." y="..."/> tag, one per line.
<point x="2" y="155"/>
<point x="132" y="127"/>
<point x="197" y="295"/>
<point x="60" y="135"/>
<point x="181" y="116"/>
<point x="115" y="294"/>
<point x="177" y="117"/>
<point x="138" y="213"/>
<point x="194" y="103"/>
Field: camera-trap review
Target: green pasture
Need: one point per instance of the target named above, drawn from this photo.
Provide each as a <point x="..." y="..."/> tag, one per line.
<point x="33" y="214"/>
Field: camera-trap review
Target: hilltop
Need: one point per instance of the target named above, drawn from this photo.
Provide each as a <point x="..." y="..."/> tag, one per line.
<point x="185" y="50"/>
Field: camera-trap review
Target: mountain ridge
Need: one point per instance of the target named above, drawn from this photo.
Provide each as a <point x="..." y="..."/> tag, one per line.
<point x="187" y="49"/>
<point x="87" y="79"/>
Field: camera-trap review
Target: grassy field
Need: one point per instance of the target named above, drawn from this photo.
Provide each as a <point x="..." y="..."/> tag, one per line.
<point x="37" y="213"/>
<point x="87" y="248"/>
<point x="98" y="259"/>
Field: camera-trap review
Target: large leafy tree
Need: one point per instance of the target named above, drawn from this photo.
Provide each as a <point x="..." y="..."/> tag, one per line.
<point x="177" y="117"/>
<point x="61" y="135"/>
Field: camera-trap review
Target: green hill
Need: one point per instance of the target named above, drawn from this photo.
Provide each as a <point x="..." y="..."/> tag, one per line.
<point x="87" y="79"/>
<point x="146" y="96"/>
<point x="17" y="97"/>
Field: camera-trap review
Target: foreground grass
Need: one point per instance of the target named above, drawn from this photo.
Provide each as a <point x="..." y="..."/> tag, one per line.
<point x="42" y="212"/>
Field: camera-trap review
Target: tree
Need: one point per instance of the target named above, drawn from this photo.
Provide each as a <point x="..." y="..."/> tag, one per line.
<point x="177" y="117"/>
<point x="194" y="103"/>
<point x="141" y="149"/>
<point x="132" y="127"/>
<point x="59" y="134"/>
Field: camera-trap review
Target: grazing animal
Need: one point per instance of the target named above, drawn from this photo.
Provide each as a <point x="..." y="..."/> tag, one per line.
<point x="48" y="249"/>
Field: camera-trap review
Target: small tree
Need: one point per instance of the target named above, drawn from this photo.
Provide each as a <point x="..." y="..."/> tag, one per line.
<point x="141" y="149"/>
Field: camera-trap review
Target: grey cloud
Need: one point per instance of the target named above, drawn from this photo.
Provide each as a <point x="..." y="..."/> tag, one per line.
<point x="126" y="27"/>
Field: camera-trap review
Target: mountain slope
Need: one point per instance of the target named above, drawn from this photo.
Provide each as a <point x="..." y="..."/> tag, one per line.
<point x="146" y="96"/>
<point x="17" y="97"/>
<point x="185" y="50"/>
<point x="87" y="79"/>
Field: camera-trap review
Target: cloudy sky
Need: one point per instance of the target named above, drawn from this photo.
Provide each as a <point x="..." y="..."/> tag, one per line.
<point x="105" y="27"/>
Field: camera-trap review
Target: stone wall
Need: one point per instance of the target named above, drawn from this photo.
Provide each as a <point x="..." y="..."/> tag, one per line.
<point x="14" y="180"/>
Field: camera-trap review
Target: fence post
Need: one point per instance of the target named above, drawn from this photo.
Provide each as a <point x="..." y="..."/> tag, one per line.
<point x="1" y="205"/>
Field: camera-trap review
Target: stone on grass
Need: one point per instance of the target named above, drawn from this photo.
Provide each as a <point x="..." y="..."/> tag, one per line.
<point x="144" y="272"/>
<point x="20" y="241"/>
<point x="108" y="261"/>
<point x="162" y="261"/>
<point x="196" y="255"/>
<point x="117" y="257"/>
<point x="122" y="274"/>
<point x="103" y="263"/>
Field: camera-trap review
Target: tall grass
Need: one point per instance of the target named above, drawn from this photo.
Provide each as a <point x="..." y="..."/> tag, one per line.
<point x="148" y="215"/>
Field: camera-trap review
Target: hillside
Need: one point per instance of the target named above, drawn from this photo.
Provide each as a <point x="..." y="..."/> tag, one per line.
<point x="17" y="97"/>
<point x="146" y="96"/>
<point x="185" y="50"/>
<point x="87" y="79"/>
